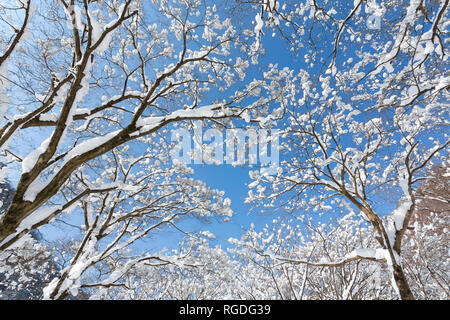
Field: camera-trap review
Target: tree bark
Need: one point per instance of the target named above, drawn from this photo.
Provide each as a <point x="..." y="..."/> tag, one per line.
<point x="402" y="283"/>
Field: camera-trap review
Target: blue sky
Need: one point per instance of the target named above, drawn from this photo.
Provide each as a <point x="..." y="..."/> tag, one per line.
<point x="234" y="180"/>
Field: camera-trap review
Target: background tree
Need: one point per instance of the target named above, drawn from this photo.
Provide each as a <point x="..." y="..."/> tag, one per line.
<point x="205" y="272"/>
<point x="308" y="260"/>
<point x="427" y="240"/>
<point x="25" y="270"/>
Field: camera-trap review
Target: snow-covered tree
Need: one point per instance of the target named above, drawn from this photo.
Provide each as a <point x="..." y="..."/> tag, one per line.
<point x="371" y="114"/>
<point x="141" y="195"/>
<point x="14" y="19"/>
<point x="96" y="75"/>
<point x="89" y="91"/>
<point x="302" y="259"/>
<point x="204" y="272"/>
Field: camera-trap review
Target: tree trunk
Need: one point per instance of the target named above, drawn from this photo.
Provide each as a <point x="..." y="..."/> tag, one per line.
<point x="402" y="283"/>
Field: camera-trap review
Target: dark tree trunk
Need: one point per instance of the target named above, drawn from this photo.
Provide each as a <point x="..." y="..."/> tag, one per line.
<point x="402" y="283"/>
